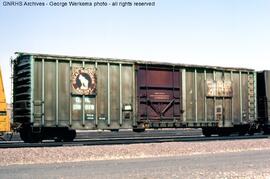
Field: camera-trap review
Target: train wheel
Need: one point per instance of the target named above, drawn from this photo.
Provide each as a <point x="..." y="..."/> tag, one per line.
<point x="114" y="130"/>
<point x="266" y="130"/>
<point x="69" y="136"/>
<point x="23" y="135"/>
<point x="206" y="132"/>
<point x="242" y="133"/>
<point x="251" y="133"/>
<point x="58" y="139"/>
<point x="223" y="132"/>
<point x="30" y="137"/>
<point x="138" y="129"/>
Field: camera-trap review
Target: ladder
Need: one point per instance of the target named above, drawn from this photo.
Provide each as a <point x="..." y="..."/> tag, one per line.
<point x="252" y="96"/>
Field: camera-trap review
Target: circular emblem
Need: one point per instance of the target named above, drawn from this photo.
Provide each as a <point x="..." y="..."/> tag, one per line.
<point x="84" y="81"/>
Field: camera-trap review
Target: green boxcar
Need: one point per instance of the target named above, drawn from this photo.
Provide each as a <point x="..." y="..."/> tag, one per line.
<point x="54" y="95"/>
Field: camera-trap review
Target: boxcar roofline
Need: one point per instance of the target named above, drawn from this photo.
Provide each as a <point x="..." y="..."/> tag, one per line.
<point x="129" y="61"/>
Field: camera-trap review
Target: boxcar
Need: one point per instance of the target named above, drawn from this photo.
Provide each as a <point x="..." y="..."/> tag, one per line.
<point x="55" y="95"/>
<point x="4" y="117"/>
<point x="263" y="88"/>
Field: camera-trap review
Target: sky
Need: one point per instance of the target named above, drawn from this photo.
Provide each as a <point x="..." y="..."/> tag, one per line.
<point x="230" y="33"/>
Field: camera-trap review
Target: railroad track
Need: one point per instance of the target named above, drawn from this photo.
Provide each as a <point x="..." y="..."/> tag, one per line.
<point x="122" y="134"/>
<point x="127" y="140"/>
<point x="147" y="133"/>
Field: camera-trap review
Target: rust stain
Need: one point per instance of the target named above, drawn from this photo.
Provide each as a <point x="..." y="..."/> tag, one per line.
<point x="219" y="88"/>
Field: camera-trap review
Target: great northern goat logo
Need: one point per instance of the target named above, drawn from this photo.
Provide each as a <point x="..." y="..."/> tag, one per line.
<point x="84" y="81"/>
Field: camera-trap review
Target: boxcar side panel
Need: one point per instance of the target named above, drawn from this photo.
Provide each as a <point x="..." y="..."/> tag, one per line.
<point x="64" y="93"/>
<point x="55" y="103"/>
<point x="211" y="96"/>
<point x="114" y="95"/>
<point x="200" y="96"/>
<point x="90" y="104"/>
<point x="190" y="95"/>
<point x="50" y="93"/>
<point x="221" y="97"/>
<point x="236" y="98"/>
<point x="102" y="94"/>
<point x="210" y="104"/>
<point x="127" y="96"/>
<point x="76" y="101"/>
<point x="227" y="104"/>
<point x="38" y="93"/>
<point x="244" y="97"/>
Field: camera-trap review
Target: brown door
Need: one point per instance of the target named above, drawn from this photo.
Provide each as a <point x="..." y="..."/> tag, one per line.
<point x="158" y="90"/>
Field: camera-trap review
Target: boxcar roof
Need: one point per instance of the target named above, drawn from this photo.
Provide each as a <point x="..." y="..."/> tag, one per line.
<point x="115" y="60"/>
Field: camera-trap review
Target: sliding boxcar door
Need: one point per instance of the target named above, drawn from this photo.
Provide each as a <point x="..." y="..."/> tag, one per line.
<point x="158" y="93"/>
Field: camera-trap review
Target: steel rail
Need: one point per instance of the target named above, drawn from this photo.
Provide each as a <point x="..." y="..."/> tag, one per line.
<point x="128" y="140"/>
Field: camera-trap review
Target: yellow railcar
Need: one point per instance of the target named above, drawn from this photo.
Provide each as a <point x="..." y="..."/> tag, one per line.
<point x="4" y="118"/>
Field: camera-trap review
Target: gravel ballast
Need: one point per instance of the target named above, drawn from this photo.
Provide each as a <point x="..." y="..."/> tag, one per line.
<point x="110" y="152"/>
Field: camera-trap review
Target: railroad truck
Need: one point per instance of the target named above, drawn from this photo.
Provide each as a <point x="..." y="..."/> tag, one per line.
<point x="55" y="95"/>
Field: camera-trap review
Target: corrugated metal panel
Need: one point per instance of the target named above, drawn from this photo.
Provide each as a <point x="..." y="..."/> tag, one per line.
<point x="160" y="93"/>
<point x="190" y="95"/>
<point x="128" y="95"/>
<point x="102" y="93"/>
<point x="200" y="95"/>
<point x="210" y="104"/>
<point x="38" y="102"/>
<point x="236" y="98"/>
<point x="227" y="101"/>
<point x="114" y="96"/>
<point x="53" y="79"/>
<point x="217" y="98"/>
<point x="90" y="102"/>
<point x="50" y="93"/>
<point x="63" y="93"/>
<point x="183" y="95"/>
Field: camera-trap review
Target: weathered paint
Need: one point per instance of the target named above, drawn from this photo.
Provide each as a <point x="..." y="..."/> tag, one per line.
<point x="61" y="108"/>
<point x="70" y="99"/>
<point x="205" y="99"/>
<point x="4" y="118"/>
<point x="158" y="92"/>
<point x="263" y="103"/>
<point x="184" y="112"/>
<point x="241" y="99"/>
<point x="196" y="95"/>
<point x="255" y="96"/>
<point x="57" y="94"/>
<point x="152" y="92"/>
<point x="32" y="89"/>
<point x="120" y="95"/>
<point x="43" y="93"/>
<point x="232" y="107"/>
